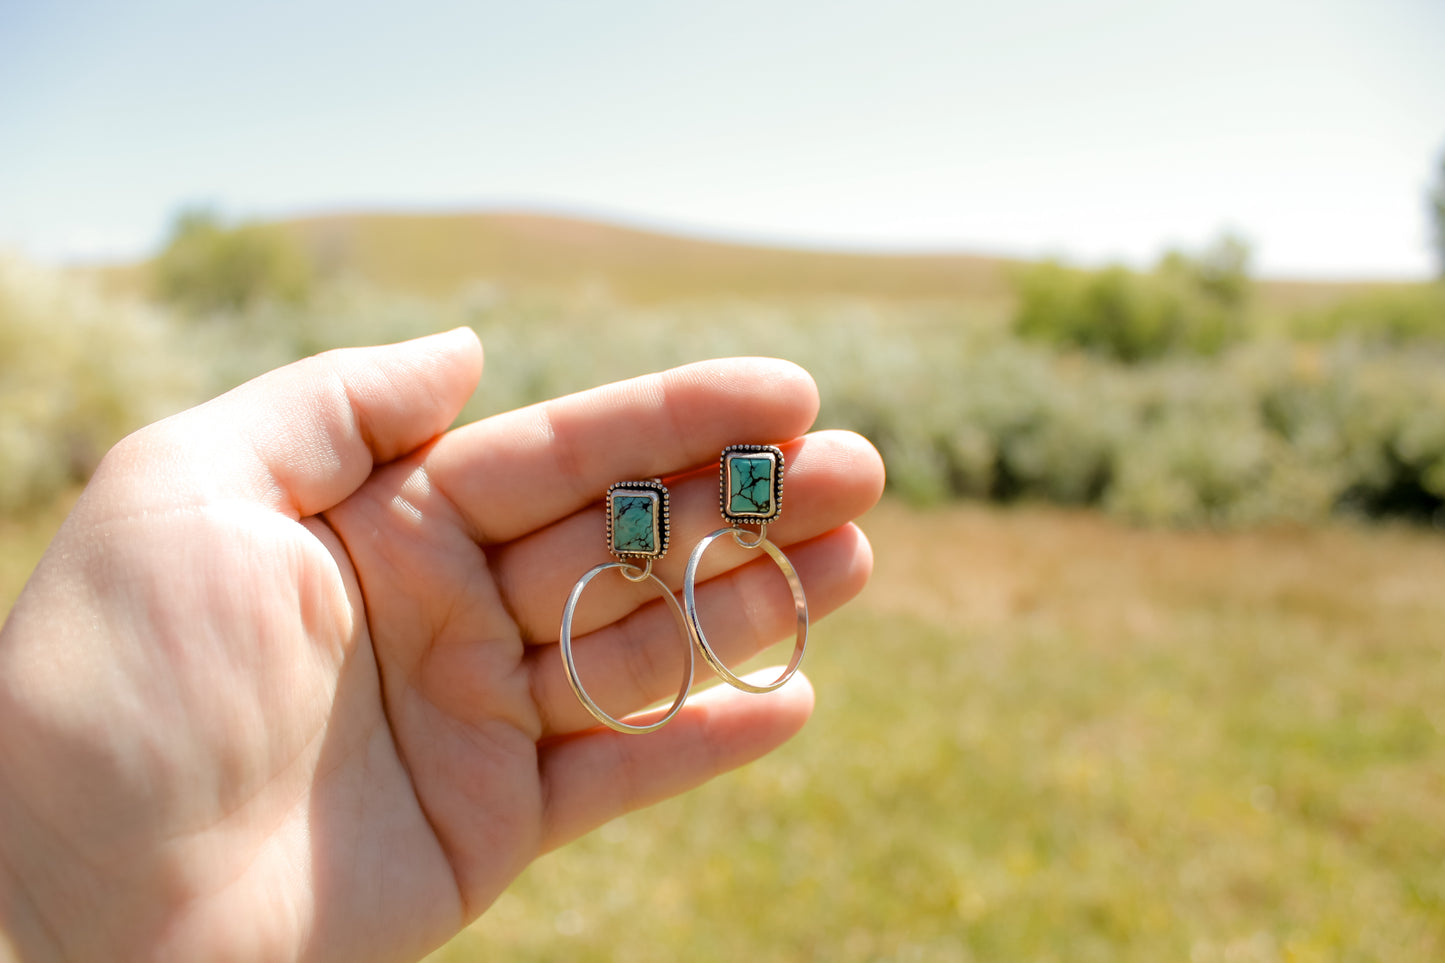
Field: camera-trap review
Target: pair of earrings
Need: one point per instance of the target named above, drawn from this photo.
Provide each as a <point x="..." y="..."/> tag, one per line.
<point x="750" y="490"/>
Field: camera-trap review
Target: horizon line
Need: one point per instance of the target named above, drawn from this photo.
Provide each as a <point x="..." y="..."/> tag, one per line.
<point x="667" y="228"/>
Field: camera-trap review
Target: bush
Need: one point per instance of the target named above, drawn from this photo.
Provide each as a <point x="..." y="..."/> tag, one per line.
<point x="207" y="267"/>
<point x="80" y="372"/>
<point x="1186" y="305"/>
<point x="1259" y="433"/>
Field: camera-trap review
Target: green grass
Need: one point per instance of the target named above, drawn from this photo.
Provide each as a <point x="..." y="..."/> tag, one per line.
<point x="1044" y="736"/>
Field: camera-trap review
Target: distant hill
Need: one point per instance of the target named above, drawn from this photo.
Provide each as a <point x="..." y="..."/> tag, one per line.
<point x="439" y="253"/>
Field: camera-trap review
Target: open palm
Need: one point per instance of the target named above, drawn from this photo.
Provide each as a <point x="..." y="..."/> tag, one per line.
<point x="285" y="685"/>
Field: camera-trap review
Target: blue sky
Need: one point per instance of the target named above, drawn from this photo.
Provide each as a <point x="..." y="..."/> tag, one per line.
<point x="1093" y="131"/>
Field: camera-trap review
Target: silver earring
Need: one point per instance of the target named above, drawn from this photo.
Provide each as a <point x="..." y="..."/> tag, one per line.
<point x="750" y="490"/>
<point x="637" y="530"/>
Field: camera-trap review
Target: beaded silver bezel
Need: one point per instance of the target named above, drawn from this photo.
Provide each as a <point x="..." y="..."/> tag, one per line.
<point x="724" y="479"/>
<point x="653" y="490"/>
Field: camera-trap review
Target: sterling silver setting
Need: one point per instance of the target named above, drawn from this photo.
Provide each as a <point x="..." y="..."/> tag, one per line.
<point x="750" y="491"/>
<point x="637" y="529"/>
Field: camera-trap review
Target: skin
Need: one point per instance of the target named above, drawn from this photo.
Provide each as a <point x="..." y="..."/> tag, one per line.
<point x="286" y="684"/>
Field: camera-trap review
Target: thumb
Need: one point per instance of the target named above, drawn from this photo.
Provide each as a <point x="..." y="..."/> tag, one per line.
<point x="301" y="438"/>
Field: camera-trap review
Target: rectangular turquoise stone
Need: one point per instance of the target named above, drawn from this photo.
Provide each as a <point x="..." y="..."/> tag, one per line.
<point x="750" y="485"/>
<point x="635" y="529"/>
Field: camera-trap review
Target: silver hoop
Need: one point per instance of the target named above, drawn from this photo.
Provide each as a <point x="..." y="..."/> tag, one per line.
<point x="630" y="573"/>
<point x="800" y="604"/>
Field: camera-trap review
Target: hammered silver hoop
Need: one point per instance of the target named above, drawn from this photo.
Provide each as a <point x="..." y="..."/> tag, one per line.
<point x="800" y="605"/>
<point x="632" y="574"/>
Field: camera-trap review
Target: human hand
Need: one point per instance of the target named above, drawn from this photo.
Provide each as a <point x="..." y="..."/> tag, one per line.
<point x="285" y="685"/>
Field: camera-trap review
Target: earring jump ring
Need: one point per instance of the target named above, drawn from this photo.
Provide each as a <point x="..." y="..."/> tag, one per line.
<point x="762" y="536"/>
<point x="568" y="660"/>
<point x="634" y="574"/>
<point x="800" y="605"/>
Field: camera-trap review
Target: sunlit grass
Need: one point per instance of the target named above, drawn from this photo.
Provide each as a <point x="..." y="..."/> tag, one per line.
<point x="1044" y="735"/>
<point x="437" y="254"/>
<point x="1041" y="735"/>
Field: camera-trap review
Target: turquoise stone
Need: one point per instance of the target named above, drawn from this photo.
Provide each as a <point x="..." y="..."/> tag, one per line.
<point x="634" y="523"/>
<point x="750" y="484"/>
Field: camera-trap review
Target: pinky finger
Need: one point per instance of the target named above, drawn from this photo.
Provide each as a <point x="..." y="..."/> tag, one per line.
<point x="592" y="778"/>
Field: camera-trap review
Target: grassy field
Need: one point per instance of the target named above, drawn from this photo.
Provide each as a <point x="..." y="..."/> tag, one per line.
<point x="1044" y="736"/>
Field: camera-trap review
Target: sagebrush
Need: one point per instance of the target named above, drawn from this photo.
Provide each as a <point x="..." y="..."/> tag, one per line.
<point x="960" y="405"/>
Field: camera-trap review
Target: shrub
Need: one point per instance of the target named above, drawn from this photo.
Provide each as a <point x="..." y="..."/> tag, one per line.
<point x="207" y="267"/>
<point x="79" y="373"/>
<point x="1186" y="305"/>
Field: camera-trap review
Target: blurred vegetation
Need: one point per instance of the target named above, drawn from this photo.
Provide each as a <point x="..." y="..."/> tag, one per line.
<point x="1400" y="314"/>
<point x="1185" y="395"/>
<point x="209" y="267"/>
<point x="1187" y="304"/>
<point x="1264" y="433"/>
<point x="436" y="255"/>
<point x="78" y="372"/>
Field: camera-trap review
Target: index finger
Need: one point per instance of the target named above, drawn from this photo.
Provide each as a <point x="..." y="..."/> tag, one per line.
<point x="519" y="471"/>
